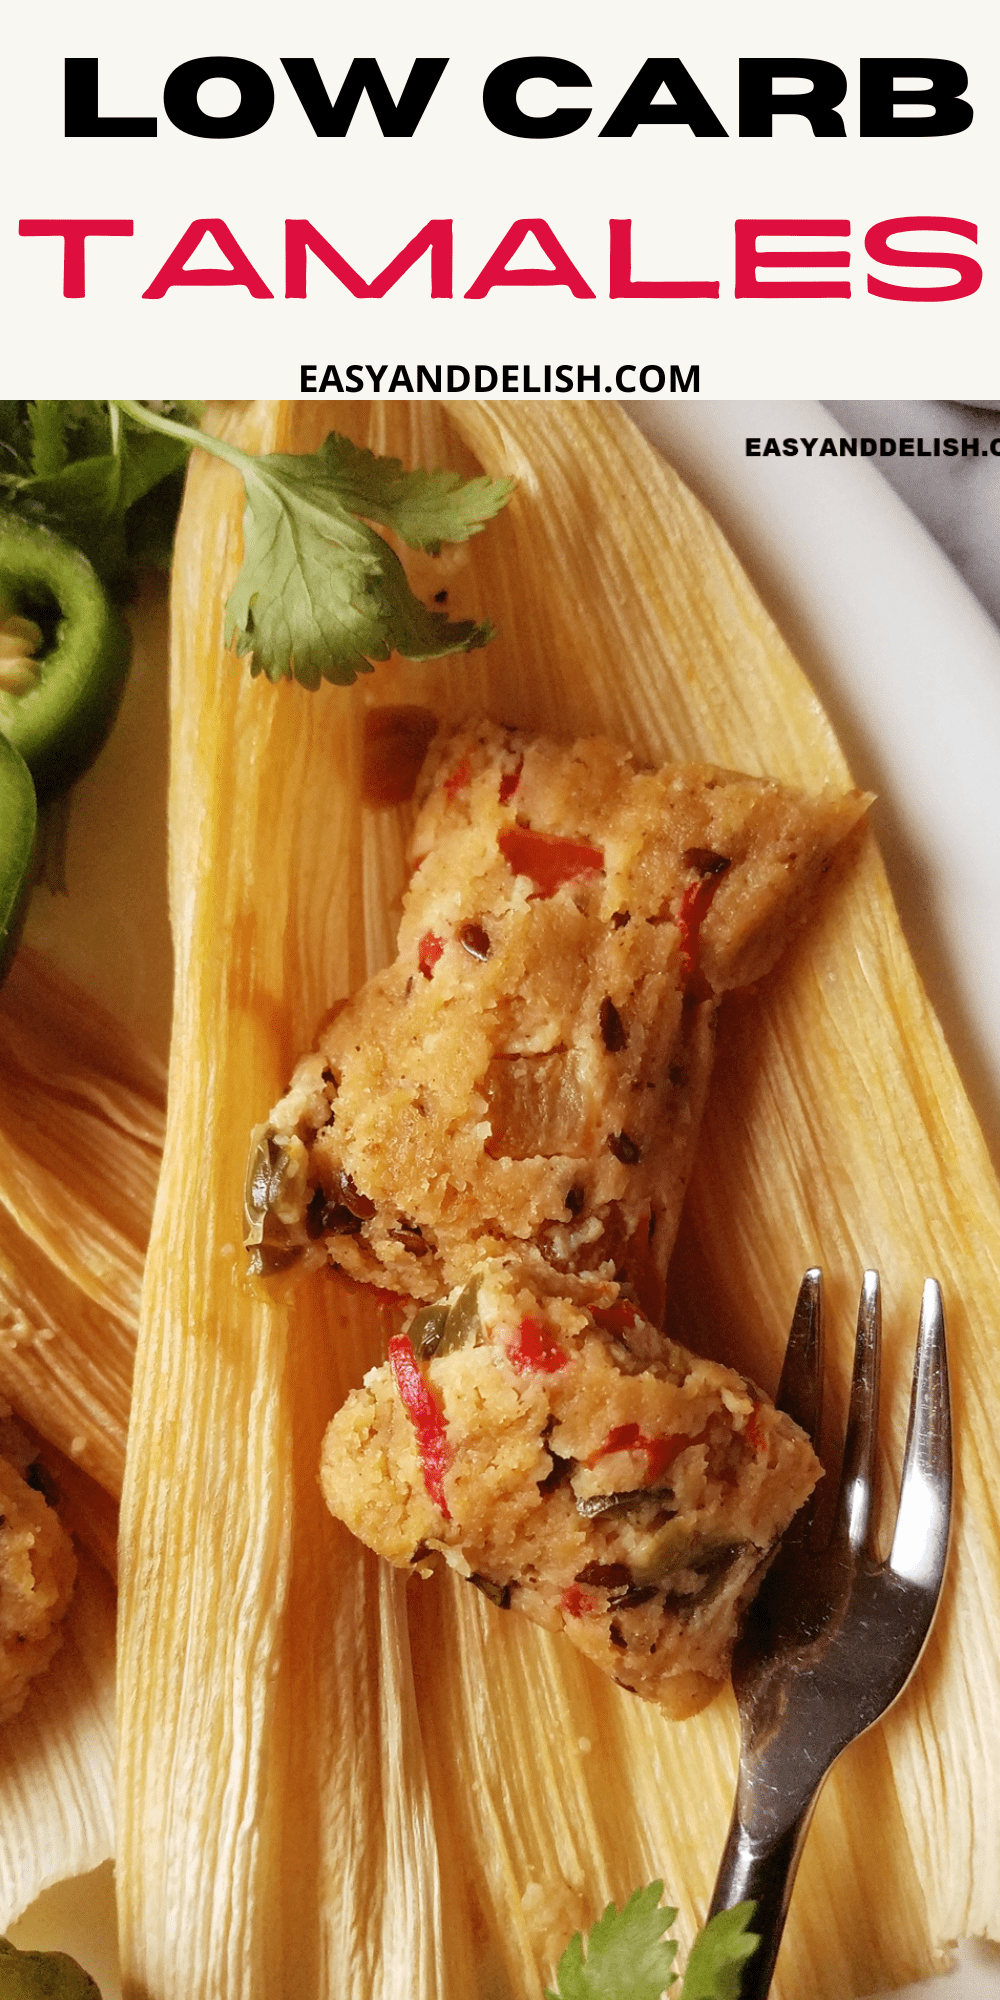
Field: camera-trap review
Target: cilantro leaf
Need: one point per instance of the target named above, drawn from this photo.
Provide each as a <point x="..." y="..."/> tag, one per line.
<point x="321" y="595"/>
<point x="89" y="427"/>
<point x="49" y="449"/>
<point x="627" y="1956"/>
<point x="718" y="1955"/>
<point x="145" y="459"/>
<point x="81" y="472"/>
<point x="426" y="509"/>
<point x="109" y="482"/>
<point x="15" y="441"/>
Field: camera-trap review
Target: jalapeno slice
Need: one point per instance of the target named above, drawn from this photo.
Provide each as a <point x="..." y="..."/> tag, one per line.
<point x="64" y="655"/>
<point x="18" y="815"/>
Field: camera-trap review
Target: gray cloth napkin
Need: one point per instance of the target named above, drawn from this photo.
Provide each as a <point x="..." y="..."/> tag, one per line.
<point x="956" y="498"/>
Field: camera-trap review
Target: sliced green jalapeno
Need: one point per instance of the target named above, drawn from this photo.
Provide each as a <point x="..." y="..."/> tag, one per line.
<point x="18" y="815"/>
<point x="64" y="654"/>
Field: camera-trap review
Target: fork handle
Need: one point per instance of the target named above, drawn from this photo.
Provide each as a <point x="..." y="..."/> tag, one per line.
<point x="759" y="1865"/>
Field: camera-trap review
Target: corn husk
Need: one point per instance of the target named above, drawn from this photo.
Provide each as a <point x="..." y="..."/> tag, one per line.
<point x="81" y="1132"/>
<point x="81" y="1122"/>
<point x="330" y="1784"/>
<point x="57" y="1765"/>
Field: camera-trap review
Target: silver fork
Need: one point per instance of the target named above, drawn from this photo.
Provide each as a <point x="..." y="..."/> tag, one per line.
<point x="834" y="1634"/>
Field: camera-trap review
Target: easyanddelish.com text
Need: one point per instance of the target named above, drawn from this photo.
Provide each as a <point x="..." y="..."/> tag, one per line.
<point x="872" y="447"/>
<point x="510" y="378"/>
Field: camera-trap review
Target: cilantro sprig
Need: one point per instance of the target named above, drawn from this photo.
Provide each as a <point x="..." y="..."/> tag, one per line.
<point x="627" y="1956"/>
<point x="107" y="487"/>
<point x="321" y="594"/>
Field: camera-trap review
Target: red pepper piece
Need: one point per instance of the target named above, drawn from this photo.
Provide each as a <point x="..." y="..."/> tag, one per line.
<point x="619" y="1318"/>
<point x="575" y="1602"/>
<point x="535" y="1351"/>
<point x="548" y="858"/>
<point x="510" y="781"/>
<point x="624" y="1437"/>
<point x="428" y="952"/>
<point x="426" y="1416"/>
<point x="660" y="1455"/>
<point x="695" y="905"/>
<point x="660" y="1451"/>
<point x="755" y="1434"/>
<point x="458" y="779"/>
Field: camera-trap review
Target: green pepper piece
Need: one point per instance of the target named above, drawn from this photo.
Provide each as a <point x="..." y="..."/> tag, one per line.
<point x="267" y="1237"/>
<point x="59" y="705"/>
<point x="462" y="1326"/>
<point x="442" y="1329"/>
<point x="266" y="1171"/>
<point x="427" y="1328"/>
<point x="18" y="819"/>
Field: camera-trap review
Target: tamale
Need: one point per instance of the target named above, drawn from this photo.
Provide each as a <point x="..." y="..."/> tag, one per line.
<point x="328" y="1785"/>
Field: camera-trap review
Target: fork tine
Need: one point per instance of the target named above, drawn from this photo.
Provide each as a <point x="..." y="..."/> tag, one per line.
<point x="920" y="1542"/>
<point x="800" y="1390"/>
<point x="852" y="1519"/>
<point x="840" y="1632"/>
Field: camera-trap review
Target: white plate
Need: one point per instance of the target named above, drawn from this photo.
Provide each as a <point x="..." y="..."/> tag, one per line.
<point x="908" y="667"/>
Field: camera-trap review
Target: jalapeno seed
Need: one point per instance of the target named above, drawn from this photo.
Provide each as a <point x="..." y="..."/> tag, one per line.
<point x="20" y="639"/>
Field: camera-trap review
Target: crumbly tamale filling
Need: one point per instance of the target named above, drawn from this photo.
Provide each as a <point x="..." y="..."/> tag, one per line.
<point x="499" y="1128"/>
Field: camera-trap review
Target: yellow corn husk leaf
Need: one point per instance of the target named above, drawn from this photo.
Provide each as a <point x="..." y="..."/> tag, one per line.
<point x="334" y="1784"/>
<point x="81" y="1132"/>
<point x="57" y="1758"/>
